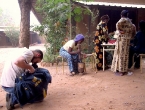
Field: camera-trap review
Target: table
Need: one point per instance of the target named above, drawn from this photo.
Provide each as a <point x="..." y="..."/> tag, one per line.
<point x="103" y="45"/>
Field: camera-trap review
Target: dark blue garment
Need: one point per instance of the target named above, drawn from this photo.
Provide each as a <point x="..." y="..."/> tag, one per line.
<point x="31" y="88"/>
<point x="75" y="61"/>
<point x="139" y="42"/>
<point x="137" y="48"/>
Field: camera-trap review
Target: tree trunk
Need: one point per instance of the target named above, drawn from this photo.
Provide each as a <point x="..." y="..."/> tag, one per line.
<point x="25" y="7"/>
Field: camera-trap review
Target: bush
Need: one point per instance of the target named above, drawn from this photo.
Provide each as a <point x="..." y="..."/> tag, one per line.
<point x="13" y="35"/>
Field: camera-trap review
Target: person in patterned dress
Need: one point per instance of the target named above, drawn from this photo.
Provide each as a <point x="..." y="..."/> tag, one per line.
<point x="124" y="28"/>
<point x="101" y="36"/>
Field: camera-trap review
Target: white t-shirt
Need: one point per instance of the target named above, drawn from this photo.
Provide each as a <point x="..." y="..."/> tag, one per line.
<point x="70" y="43"/>
<point x="11" y="71"/>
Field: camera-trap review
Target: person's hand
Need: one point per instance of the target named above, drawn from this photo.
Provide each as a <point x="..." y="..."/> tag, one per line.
<point x="78" y="51"/>
<point x="121" y="32"/>
<point x="31" y="69"/>
<point x="131" y="44"/>
<point x="84" y="55"/>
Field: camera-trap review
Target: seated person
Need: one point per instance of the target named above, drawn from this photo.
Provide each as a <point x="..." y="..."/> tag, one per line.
<point x="138" y="45"/>
<point x="67" y="52"/>
<point x="14" y="68"/>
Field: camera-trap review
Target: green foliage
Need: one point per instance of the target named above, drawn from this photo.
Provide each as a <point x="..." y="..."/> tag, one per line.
<point x="13" y="35"/>
<point x="56" y="25"/>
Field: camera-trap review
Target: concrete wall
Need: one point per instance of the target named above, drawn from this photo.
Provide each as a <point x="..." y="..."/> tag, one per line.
<point x="4" y="40"/>
<point x="34" y="38"/>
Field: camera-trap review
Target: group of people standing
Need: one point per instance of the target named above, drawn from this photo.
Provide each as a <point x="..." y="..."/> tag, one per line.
<point x="124" y="50"/>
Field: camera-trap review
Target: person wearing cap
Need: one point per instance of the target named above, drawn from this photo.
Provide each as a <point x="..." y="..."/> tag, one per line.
<point x="68" y="52"/>
<point x="101" y="36"/>
<point x="121" y="54"/>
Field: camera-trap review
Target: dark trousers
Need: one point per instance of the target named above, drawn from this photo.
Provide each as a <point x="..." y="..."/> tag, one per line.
<point x="135" y="55"/>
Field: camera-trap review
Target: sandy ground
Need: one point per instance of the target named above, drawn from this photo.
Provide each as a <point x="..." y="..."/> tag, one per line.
<point x="92" y="91"/>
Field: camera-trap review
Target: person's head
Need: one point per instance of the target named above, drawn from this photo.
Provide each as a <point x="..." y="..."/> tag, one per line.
<point x="79" y="38"/>
<point x="105" y="18"/>
<point x="38" y="56"/>
<point x="142" y="25"/>
<point x="125" y="13"/>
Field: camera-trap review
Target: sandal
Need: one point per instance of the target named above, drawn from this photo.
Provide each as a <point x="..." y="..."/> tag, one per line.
<point x="119" y="73"/>
<point x="70" y="74"/>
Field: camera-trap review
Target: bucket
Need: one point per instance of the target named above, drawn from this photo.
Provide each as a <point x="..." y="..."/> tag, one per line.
<point x="81" y="67"/>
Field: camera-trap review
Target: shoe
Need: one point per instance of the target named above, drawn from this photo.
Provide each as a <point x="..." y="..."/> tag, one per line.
<point x="70" y="74"/>
<point x="9" y="102"/>
<point x="73" y="73"/>
<point x="119" y="73"/>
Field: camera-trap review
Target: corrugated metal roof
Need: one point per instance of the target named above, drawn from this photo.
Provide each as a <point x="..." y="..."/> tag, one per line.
<point x="113" y="4"/>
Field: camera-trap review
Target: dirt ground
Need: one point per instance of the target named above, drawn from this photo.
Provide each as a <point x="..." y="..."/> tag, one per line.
<point x="92" y="91"/>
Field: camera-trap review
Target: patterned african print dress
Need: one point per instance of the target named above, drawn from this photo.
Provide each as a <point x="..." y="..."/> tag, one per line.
<point x="121" y="53"/>
<point x="100" y="37"/>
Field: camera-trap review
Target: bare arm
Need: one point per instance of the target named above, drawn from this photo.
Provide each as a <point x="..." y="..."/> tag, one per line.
<point x="20" y="62"/>
<point x="70" y="51"/>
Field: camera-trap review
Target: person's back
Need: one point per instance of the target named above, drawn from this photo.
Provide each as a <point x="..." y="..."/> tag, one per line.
<point x="11" y="70"/>
<point x="124" y="26"/>
<point x="70" y="43"/>
<point x="139" y="42"/>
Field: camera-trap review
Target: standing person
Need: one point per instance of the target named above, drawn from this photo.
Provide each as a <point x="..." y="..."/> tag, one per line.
<point x="72" y="56"/>
<point x="15" y="67"/>
<point x="101" y="36"/>
<point x="124" y="28"/>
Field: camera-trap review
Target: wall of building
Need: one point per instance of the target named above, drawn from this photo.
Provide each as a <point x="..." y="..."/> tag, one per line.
<point x="34" y="38"/>
<point x="114" y="13"/>
<point x="141" y="14"/>
<point x="141" y="2"/>
<point x="88" y="28"/>
<point x="4" y="40"/>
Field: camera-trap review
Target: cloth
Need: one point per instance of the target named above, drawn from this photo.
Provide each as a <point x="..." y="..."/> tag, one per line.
<point x="8" y="89"/>
<point x="133" y="54"/>
<point x="30" y="88"/>
<point x="138" y="48"/>
<point x="11" y="71"/>
<point x="100" y="37"/>
<point x="70" y="43"/>
<point x="121" y="53"/>
<point x="79" y="37"/>
<point x="71" y="59"/>
<point x="139" y="42"/>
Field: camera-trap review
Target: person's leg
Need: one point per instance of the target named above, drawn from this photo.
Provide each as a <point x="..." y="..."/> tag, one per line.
<point x="10" y="97"/>
<point x="75" y="60"/>
<point x="8" y="89"/>
<point x="137" y="61"/>
<point x="131" y="53"/>
<point x="67" y="56"/>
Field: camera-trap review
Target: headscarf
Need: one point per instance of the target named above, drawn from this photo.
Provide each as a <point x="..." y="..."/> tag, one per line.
<point x="105" y="17"/>
<point x="79" y="37"/>
<point x="125" y="13"/>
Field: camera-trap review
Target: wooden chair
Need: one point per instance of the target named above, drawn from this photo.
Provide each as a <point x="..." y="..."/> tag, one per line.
<point x="93" y="61"/>
<point x="62" y="60"/>
<point x="91" y="56"/>
<point x="142" y="61"/>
